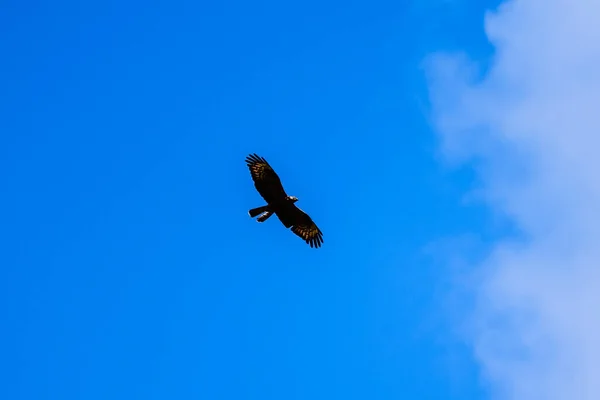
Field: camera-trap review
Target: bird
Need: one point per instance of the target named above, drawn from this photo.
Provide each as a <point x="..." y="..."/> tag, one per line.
<point x="268" y="185"/>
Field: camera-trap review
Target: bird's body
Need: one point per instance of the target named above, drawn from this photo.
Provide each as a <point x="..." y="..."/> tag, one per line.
<point x="278" y="208"/>
<point x="269" y="186"/>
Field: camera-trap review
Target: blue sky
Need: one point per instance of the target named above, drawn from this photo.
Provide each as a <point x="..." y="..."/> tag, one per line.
<point x="130" y="266"/>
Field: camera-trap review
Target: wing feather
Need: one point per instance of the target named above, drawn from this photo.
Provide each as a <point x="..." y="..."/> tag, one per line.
<point x="304" y="227"/>
<point x="266" y="181"/>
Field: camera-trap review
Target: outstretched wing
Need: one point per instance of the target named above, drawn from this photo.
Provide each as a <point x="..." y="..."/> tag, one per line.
<point x="304" y="226"/>
<point x="266" y="181"/>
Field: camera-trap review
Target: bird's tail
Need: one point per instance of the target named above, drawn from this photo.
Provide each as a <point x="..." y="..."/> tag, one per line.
<point x="253" y="212"/>
<point x="264" y="216"/>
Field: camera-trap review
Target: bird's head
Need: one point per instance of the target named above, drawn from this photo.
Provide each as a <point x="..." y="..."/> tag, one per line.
<point x="293" y="199"/>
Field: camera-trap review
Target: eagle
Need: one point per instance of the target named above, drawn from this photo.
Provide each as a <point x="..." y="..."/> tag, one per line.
<point x="269" y="186"/>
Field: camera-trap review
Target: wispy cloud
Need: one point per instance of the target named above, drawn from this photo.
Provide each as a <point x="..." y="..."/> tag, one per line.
<point x="532" y="122"/>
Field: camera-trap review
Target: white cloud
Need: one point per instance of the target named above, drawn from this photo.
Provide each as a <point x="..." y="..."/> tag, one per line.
<point x="532" y="122"/>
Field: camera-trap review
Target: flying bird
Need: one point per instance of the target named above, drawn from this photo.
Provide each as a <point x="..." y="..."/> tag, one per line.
<point x="269" y="186"/>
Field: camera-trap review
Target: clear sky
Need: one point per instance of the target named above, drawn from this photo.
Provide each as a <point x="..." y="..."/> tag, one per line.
<point x="130" y="268"/>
